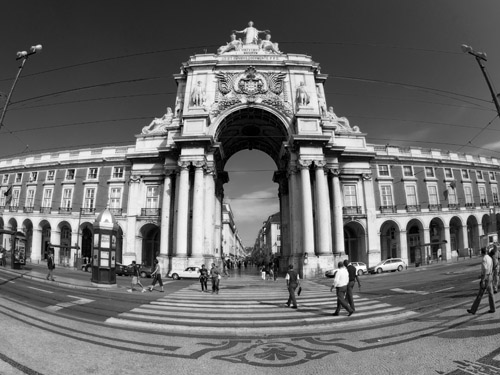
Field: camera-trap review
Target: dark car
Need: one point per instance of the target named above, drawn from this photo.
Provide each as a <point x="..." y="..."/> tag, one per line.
<point x="123" y="270"/>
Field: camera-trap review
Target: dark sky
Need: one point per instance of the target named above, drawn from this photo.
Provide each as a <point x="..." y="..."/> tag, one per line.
<point x="395" y="69"/>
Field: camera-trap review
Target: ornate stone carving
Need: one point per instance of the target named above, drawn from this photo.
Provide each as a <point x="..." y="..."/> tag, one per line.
<point x="366" y="176"/>
<point x="158" y="125"/>
<point x="198" y="95"/>
<point x="304" y="163"/>
<point x="321" y="102"/>
<point x="251" y="34"/>
<point x="233" y="45"/>
<point x="342" y="123"/>
<point x="267" y="46"/>
<point x="251" y="44"/>
<point x="183" y="164"/>
<point x="302" y="95"/>
<point x="335" y="172"/>
<point x="250" y="86"/>
<point x="134" y="179"/>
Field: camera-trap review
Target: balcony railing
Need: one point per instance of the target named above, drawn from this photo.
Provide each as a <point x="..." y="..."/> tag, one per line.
<point x="13" y="208"/>
<point x="150" y="211"/>
<point x="64" y="210"/>
<point x="87" y="211"/>
<point x="453" y="206"/>
<point x="2" y="208"/>
<point x="413" y="208"/>
<point x="484" y="204"/>
<point x="45" y="210"/>
<point x="435" y="207"/>
<point x="28" y="210"/>
<point x="352" y="210"/>
<point x="116" y="211"/>
<point x="496" y="204"/>
<point x="388" y="209"/>
<point x="470" y="205"/>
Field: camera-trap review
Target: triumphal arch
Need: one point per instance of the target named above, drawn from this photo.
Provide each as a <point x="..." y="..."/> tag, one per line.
<point x="251" y="95"/>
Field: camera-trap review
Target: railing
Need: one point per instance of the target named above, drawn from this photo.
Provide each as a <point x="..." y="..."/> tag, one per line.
<point x="116" y="211"/>
<point x="470" y="205"/>
<point x="484" y="204"/>
<point x="28" y="210"/>
<point x="2" y="208"/>
<point x="352" y="210"/>
<point x="453" y="206"/>
<point x="388" y="209"/>
<point x="496" y="204"/>
<point x="435" y="207"/>
<point x="150" y="211"/>
<point x="13" y="208"/>
<point x="45" y="210"/>
<point x="87" y="211"/>
<point x="64" y="210"/>
<point x="413" y="208"/>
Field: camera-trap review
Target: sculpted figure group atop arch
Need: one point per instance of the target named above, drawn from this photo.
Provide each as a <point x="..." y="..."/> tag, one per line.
<point x="250" y="38"/>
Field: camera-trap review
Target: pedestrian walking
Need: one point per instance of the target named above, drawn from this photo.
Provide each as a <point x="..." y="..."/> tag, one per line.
<point x="135" y="277"/>
<point x="494" y="257"/>
<point x="215" y="276"/>
<point x="263" y="272"/>
<point x="486" y="284"/>
<point x="156" y="275"/>
<point x="203" y="278"/>
<point x="51" y="266"/>
<point x="340" y="282"/>
<point x="3" y="254"/>
<point x="292" y="282"/>
<point x="353" y="277"/>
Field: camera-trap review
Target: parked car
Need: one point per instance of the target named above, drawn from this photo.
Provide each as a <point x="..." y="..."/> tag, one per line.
<point x="391" y="264"/>
<point x="360" y="269"/>
<point x="124" y="270"/>
<point x="331" y="273"/>
<point x="188" y="273"/>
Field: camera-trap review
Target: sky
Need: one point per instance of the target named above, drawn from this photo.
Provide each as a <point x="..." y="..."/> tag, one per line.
<point x="395" y="69"/>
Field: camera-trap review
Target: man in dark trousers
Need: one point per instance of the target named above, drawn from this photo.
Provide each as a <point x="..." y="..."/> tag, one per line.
<point x="51" y="265"/>
<point x="340" y="282"/>
<point x="486" y="283"/>
<point x="292" y="282"/>
<point x="353" y="277"/>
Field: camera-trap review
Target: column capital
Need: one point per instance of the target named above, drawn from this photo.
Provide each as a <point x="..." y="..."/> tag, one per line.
<point x="183" y="164"/>
<point x="366" y="176"/>
<point x="199" y="164"/>
<point x="134" y="179"/>
<point x="319" y="163"/>
<point x="334" y="171"/>
<point x="303" y="164"/>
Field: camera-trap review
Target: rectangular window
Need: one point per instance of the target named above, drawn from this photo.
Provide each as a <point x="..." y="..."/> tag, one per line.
<point x="19" y="178"/>
<point x="465" y="174"/>
<point x="70" y="175"/>
<point x="479" y="175"/>
<point x="429" y="172"/>
<point x="433" y="195"/>
<point x="5" y="178"/>
<point x="30" y="198"/>
<point x="411" y="195"/>
<point x="89" y="200"/>
<point x="482" y="195"/>
<point x="468" y="194"/>
<point x="452" y="195"/>
<point x="350" y="196"/>
<point x="51" y="175"/>
<point x="386" y="195"/>
<point x="47" y="198"/>
<point x="15" y="198"/>
<point x="3" y="197"/>
<point x="92" y="173"/>
<point x="492" y="176"/>
<point x="115" y="197"/>
<point x="494" y="193"/>
<point x="67" y="197"/>
<point x="117" y="172"/>
<point x="408" y="171"/>
<point x="383" y="170"/>
<point x="33" y="176"/>
<point x="152" y="197"/>
<point x="448" y="173"/>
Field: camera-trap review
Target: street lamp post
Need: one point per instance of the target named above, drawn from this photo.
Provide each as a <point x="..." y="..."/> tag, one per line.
<point x="480" y="58"/>
<point x="23" y="56"/>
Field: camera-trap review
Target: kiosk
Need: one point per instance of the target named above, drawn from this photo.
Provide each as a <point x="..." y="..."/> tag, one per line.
<point x="104" y="250"/>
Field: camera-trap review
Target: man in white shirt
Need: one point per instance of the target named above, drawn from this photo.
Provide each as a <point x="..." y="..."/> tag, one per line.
<point x="486" y="283"/>
<point x="340" y="282"/>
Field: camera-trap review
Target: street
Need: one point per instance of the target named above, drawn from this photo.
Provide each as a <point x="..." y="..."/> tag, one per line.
<point x="413" y="321"/>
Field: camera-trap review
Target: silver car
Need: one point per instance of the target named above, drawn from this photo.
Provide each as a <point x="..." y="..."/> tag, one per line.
<point x="392" y="264"/>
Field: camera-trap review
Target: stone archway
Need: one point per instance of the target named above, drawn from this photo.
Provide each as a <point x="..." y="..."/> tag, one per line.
<point x="45" y="240"/>
<point x="437" y="236"/>
<point x="150" y="244"/>
<point x="473" y="234"/>
<point x="486" y="224"/>
<point x="415" y="240"/>
<point x="355" y="241"/>
<point x="456" y="235"/>
<point x="390" y="246"/>
<point x="28" y="232"/>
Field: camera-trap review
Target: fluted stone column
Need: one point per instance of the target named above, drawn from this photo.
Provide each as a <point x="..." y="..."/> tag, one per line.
<point x="427" y="239"/>
<point x="55" y="239"/>
<point x="218" y="217"/>
<point x="446" y="247"/>
<point x="209" y="244"/>
<point x="165" y="215"/>
<point x="36" y="245"/>
<point x="338" y="216"/>
<point x="307" y="209"/>
<point x="323" y="212"/>
<point x="198" y="214"/>
<point x="295" y="214"/>
<point x="182" y="211"/>
<point x="465" y="238"/>
<point x="403" y="245"/>
<point x="134" y="200"/>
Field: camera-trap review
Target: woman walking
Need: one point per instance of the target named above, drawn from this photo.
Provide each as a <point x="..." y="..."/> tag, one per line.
<point x="156" y="275"/>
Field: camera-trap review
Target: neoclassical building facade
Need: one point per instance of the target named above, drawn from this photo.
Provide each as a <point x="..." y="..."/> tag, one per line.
<point x="339" y="196"/>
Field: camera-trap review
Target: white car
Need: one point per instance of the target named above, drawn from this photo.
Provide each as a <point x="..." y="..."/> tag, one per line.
<point x="360" y="269"/>
<point x="391" y="264"/>
<point x="188" y="273"/>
